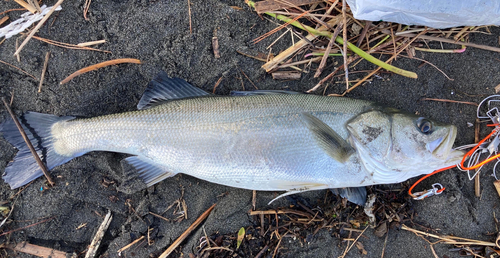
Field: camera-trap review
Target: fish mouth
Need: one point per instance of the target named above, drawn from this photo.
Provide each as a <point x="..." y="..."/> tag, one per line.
<point x="442" y="148"/>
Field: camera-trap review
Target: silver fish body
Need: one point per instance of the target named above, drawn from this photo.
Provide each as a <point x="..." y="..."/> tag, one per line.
<point x="289" y="142"/>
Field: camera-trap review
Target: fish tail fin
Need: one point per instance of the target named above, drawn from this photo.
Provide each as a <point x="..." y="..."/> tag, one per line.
<point x="38" y="127"/>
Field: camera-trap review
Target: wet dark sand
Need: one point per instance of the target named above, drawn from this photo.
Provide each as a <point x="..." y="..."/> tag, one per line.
<point x="157" y="32"/>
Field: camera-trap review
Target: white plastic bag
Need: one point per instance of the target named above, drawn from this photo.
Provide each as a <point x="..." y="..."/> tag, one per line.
<point x="434" y="14"/>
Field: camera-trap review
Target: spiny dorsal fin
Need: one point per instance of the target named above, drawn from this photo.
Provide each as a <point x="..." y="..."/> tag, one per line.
<point x="163" y="88"/>
<point x="262" y="92"/>
<point x="334" y="145"/>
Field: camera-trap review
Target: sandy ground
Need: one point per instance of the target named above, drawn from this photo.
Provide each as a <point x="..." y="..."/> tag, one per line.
<point x="157" y="32"/>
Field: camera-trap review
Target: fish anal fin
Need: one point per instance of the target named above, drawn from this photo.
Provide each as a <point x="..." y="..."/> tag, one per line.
<point x="331" y="142"/>
<point x="163" y="88"/>
<point x="148" y="170"/>
<point x="356" y="195"/>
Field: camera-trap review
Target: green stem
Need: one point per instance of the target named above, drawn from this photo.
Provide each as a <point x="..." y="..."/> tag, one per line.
<point x="339" y="40"/>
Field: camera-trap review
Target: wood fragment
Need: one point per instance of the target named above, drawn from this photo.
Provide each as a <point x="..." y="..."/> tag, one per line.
<point x="94" y="245"/>
<point x="327" y="51"/>
<point x="17" y="47"/>
<point x="159" y="216"/>
<point x="100" y="65"/>
<point x="188" y="231"/>
<point x="91" y="43"/>
<point x="451" y="240"/>
<point x="28" y="143"/>
<point x="217" y="83"/>
<point x="286" y="75"/>
<point x="67" y="45"/>
<point x="215" y="45"/>
<point x="12" y="10"/>
<point x="35" y="4"/>
<point x="264" y="249"/>
<point x="40" y="251"/>
<point x="451" y="41"/>
<point x="452" y="101"/>
<point x="353" y="243"/>
<point x="129" y="245"/>
<point x="344" y="38"/>
<point x="86" y="7"/>
<point x="13" y="66"/>
<point x="4" y="19"/>
<point x="287" y="53"/>
<point x="271" y="32"/>
<point x="29" y="226"/>
<point x="254" y="199"/>
<point x="385" y="243"/>
<point x="363" y="33"/>
<point x="497" y="88"/>
<point x="273" y="5"/>
<point x="38" y="26"/>
<point x="28" y="7"/>
<point x="249" y="79"/>
<point x="496" y="183"/>
<point x="44" y="69"/>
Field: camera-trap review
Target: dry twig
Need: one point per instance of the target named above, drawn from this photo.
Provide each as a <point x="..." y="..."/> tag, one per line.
<point x="28" y="143"/>
<point x="100" y="65"/>
<point x="188" y="231"/>
<point x="94" y="245"/>
<point x="38" y="26"/>
<point x="13" y="66"/>
<point x="37" y="250"/>
<point x="42" y="77"/>
<point x="4" y="19"/>
<point x="130" y="245"/>
<point x="27" y="6"/>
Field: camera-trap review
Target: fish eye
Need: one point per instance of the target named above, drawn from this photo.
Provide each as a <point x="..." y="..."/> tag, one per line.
<point x="425" y="126"/>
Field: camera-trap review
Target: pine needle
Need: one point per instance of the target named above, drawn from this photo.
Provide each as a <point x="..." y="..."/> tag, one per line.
<point x="100" y="65"/>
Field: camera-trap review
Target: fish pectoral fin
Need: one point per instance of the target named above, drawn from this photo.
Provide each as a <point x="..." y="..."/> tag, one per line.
<point x="262" y="92"/>
<point x="148" y="170"/>
<point x="355" y="195"/>
<point x="298" y="188"/>
<point x="163" y="88"/>
<point x="330" y="141"/>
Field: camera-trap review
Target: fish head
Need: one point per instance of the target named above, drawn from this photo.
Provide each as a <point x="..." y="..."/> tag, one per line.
<point x="395" y="146"/>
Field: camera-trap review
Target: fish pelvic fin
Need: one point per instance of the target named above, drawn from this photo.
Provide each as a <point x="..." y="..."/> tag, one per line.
<point x="163" y="88"/>
<point x="356" y="195"/>
<point x="296" y="187"/>
<point x="149" y="171"/>
<point x="330" y="141"/>
<point x="38" y="127"/>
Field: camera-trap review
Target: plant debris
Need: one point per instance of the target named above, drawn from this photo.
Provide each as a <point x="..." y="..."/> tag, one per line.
<point x="302" y="221"/>
<point x="322" y="22"/>
<point x="99" y="65"/>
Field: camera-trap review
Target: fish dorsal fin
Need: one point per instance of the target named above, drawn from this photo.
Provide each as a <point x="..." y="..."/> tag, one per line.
<point x="163" y="88"/>
<point x="262" y="92"/>
<point x="333" y="144"/>
<point x="355" y="195"/>
<point x="149" y="171"/>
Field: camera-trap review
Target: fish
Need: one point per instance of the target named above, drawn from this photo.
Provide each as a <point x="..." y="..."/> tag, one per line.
<point x="258" y="140"/>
